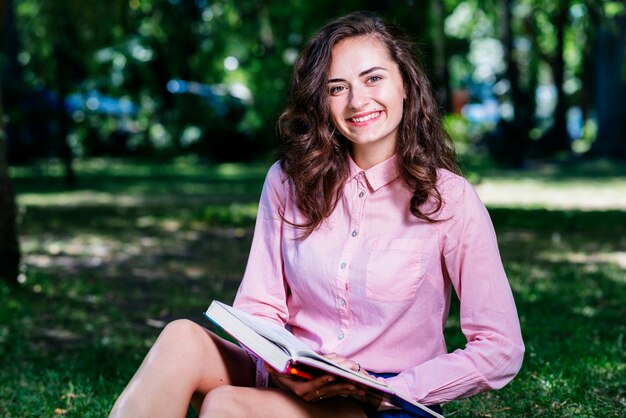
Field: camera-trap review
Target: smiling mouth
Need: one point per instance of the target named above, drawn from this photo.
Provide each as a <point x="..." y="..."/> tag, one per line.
<point x="365" y="118"/>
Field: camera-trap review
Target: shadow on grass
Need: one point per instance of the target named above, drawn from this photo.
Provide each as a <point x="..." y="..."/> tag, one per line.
<point x="143" y="178"/>
<point x="550" y="170"/>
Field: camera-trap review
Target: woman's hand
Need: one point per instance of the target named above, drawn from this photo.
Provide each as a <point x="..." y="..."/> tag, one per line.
<point x="316" y="389"/>
<point x="347" y="363"/>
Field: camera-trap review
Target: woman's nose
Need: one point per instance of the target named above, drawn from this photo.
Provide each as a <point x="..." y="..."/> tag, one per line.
<point x="358" y="97"/>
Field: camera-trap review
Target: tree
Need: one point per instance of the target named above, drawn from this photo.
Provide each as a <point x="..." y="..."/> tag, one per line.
<point x="608" y="78"/>
<point x="515" y="132"/>
<point x="438" y="40"/>
<point x="9" y="244"/>
<point x="557" y="137"/>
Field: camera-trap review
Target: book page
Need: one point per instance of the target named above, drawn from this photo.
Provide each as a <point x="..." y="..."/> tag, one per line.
<point x="273" y="332"/>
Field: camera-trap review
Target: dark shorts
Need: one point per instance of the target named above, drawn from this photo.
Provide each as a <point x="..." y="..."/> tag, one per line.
<point x="371" y="411"/>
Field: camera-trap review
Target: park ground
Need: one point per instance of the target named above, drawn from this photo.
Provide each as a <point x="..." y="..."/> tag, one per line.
<point x="135" y="245"/>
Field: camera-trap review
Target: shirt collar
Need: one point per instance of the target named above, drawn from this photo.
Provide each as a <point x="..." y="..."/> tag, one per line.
<point x="378" y="175"/>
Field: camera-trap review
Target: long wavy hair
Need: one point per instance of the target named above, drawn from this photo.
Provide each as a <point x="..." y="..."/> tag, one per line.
<point x="312" y="153"/>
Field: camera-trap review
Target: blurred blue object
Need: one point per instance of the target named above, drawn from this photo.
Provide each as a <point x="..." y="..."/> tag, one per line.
<point x="215" y="95"/>
<point x="94" y="101"/>
<point x="484" y="112"/>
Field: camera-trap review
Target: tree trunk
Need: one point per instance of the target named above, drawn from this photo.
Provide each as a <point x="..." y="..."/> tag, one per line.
<point x="557" y="138"/>
<point x="65" y="150"/>
<point x="441" y="62"/>
<point x="512" y="71"/>
<point x="507" y="144"/>
<point x="609" y="88"/>
<point x="62" y="82"/>
<point x="9" y="244"/>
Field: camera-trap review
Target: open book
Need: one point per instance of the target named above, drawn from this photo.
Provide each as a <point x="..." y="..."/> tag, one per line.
<point x="287" y="354"/>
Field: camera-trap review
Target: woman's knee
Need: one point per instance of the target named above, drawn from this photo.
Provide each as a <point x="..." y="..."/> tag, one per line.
<point x="212" y="360"/>
<point x="226" y="395"/>
<point x="238" y="401"/>
<point x="181" y="330"/>
<point x="183" y="334"/>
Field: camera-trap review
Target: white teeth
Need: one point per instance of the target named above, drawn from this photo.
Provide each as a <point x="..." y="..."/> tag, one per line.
<point x="366" y="118"/>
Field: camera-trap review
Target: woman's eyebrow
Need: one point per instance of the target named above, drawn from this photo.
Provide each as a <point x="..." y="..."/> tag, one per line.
<point x="365" y="72"/>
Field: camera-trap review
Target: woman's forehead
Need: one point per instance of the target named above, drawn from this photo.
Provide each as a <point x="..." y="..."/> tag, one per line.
<point x="359" y="54"/>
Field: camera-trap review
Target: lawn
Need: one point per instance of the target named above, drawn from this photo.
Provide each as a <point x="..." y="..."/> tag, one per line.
<point x="133" y="246"/>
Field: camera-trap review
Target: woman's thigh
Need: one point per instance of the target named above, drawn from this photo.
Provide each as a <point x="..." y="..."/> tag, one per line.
<point x="214" y="360"/>
<point x="185" y="362"/>
<point x="274" y="403"/>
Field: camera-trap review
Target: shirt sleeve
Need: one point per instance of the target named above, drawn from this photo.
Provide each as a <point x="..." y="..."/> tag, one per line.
<point x="494" y="351"/>
<point x="263" y="290"/>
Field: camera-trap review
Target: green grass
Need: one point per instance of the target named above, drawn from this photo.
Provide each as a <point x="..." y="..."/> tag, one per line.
<point x="133" y="246"/>
<point x="567" y="272"/>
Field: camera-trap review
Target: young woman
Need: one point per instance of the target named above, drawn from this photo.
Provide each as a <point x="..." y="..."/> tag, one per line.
<point x="363" y="230"/>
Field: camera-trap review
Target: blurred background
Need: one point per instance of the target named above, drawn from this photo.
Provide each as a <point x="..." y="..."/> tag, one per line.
<point x="134" y="140"/>
<point x="164" y="78"/>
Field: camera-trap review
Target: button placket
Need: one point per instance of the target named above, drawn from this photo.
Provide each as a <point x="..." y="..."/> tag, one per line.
<point x="357" y="192"/>
<point x="340" y="293"/>
<point x="359" y="203"/>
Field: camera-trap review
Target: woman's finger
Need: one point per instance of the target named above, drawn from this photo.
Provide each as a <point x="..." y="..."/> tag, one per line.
<point x="319" y="388"/>
<point x="306" y="389"/>
<point x="340" y="389"/>
<point x="346" y="362"/>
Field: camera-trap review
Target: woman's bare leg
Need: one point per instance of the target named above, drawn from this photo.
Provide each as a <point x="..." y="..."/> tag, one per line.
<point x="248" y="402"/>
<point x="185" y="360"/>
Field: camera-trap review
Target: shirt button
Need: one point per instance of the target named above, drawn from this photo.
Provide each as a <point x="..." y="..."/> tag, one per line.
<point x="340" y="335"/>
<point x="343" y="265"/>
<point x="361" y="194"/>
<point x="342" y="302"/>
<point x="354" y="233"/>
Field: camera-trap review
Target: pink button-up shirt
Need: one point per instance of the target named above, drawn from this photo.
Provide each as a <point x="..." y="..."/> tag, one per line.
<point x="374" y="282"/>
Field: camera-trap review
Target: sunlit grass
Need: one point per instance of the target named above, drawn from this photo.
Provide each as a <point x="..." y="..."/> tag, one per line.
<point x="586" y="194"/>
<point x="588" y="185"/>
<point x="121" y="183"/>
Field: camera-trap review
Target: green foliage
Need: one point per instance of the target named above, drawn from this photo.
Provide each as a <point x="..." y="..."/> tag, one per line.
<point x="242" y="50"/>
<point x="137" y="245"/>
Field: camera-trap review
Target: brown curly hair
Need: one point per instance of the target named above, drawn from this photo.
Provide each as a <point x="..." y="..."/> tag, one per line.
<point x="313" y="153"/>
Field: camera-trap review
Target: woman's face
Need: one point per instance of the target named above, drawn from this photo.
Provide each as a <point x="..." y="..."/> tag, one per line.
<point x="366" y="98"/>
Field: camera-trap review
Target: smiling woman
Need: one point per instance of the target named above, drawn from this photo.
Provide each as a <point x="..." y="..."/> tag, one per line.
<point x="363" y="230"/>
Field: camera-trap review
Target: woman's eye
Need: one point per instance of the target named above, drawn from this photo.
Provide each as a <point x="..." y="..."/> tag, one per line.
<point x="374" y="79"/>
<point x="336" y="89"/>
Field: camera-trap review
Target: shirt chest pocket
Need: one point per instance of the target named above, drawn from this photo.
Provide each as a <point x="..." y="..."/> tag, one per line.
<point x="395" y="269"/>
